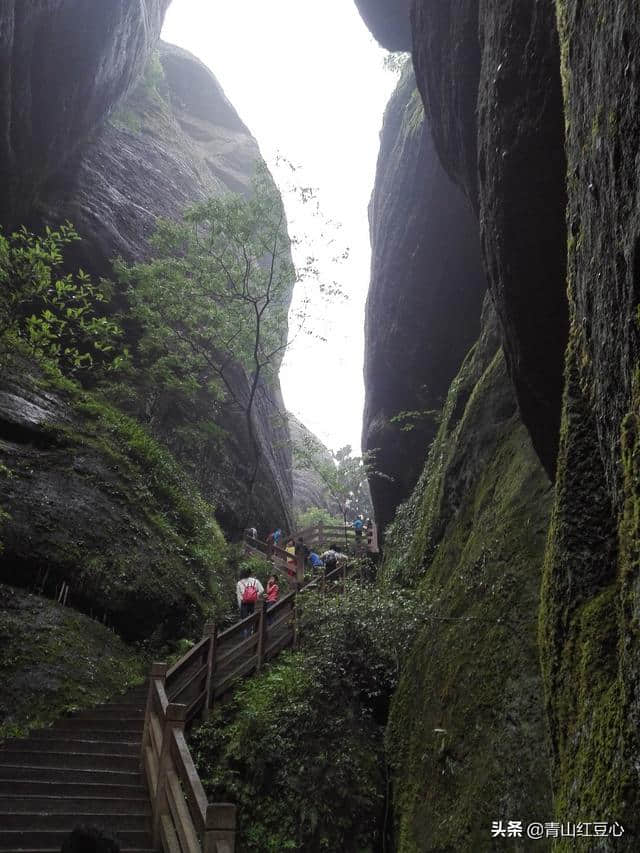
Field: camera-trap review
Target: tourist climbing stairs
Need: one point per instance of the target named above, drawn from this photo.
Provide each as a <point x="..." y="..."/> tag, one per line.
<point x="125" y="766"/>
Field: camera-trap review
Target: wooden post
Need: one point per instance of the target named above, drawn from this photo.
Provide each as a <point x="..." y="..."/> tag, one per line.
<point x="300" y="567"/>
<point x="320" y="534"/>
<point x="344" y="575"/>
<point x="209" y="631"/>
<point x="220" y="828"/>
<point x="323" y="582"/>
<point x="175" y="719"/>
<point x="262" y="630"/>
<point x="294" y="614"/>
<point x="158" y="670"/>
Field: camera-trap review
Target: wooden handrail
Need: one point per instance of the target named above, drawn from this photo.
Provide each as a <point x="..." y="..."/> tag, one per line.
<point x="182" y="819"/>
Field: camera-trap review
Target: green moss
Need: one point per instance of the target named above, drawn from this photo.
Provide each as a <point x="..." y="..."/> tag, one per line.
<point x="588" y="630"/>
<point x="126" y="119"/>
<point x="54" y="660"/>
<point x="466" y="734"/>
<point x="154" y="559"/>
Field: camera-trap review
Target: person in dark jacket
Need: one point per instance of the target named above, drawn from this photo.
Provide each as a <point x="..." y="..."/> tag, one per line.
<point x="89" y="839"/>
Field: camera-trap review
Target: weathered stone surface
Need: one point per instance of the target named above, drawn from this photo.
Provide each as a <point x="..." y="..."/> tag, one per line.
<point x="308" y="488"/>
<point x="489" y="76"/>
<point x="426" y="290"/>
<point x="471" y="539"/>
<point x="591" y="639"/>
<point x="64" y="64"/>
<point x="175" y="140"/>
<point x="54" y="660"/>
<point x="90" y="500"/>
<point x="388" y="20"/>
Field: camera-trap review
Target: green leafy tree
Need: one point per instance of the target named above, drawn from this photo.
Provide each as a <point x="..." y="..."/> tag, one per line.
<point x="213" y="302"/>
<point x="344" y="476"/>
<point x="58" y="317"/>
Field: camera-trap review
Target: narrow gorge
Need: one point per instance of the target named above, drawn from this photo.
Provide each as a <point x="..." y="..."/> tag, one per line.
<point x="475" y="681"/>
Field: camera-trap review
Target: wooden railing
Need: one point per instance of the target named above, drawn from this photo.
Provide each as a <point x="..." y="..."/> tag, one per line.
<point x="183" y="820"/>
<point x="323" y="535"/>
<point x="279" y="556"/>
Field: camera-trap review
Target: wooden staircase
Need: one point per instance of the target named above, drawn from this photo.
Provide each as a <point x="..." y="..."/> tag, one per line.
<point x="84" y="769"/>
<point x="125" y="766"/>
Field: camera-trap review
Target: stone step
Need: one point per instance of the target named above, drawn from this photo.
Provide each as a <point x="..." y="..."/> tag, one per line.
<point x="74" y="744"/>
<point x="51" y="840"/>
<point x="95" y="721"/>
<point x="65" y="821"/>
<point x="103" y="712"/>
<point x="57" y="788"/>
<point x="57" y="849"/>
<point x="103" y="735"/>
<point x="60" y="804"/>
<point x="65" y="774"/>
<point x="67" y="759"/>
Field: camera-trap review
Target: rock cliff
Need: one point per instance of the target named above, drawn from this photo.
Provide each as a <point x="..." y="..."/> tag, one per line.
<point x="64" y="64"/>
<point x="176" y="139"/>
<point x="425" y="271"/>
<point x="466" y="734"/>
<point x="91" y="500"/>
<point x="308" y="488"/>
<point x="107" y="127"/>
<point x="533" y="109"/>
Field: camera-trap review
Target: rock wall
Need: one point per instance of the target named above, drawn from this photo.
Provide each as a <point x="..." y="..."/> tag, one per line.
<point x="64" y="64"/>
<point x="110" y="129"/>
<point x="534" y="107"/>
<point x="589" y="621"/>
<point x="489" y="74"/>
<point x="89" y="499"/>
<point x="425" y="270"/>
<point x="466" y="735"/>
<point x="177" y="139"/>
<point x="308" y="487"/>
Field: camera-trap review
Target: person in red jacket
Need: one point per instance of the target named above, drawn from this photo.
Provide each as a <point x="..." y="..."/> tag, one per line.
<point x="273" y="591"/>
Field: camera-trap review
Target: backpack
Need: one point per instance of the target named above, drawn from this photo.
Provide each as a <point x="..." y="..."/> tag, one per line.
<point x="250" y="594"/>
<point x="331" y="562"/>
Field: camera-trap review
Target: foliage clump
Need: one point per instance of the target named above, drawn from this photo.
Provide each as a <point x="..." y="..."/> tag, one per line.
<point x="300" y="747"/>
<point x="58" y="317"/>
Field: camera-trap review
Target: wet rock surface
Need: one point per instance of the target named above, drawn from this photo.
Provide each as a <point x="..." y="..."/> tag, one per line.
<point x="175" y="140"/>
<point x="64" y="64"/>
<point x="423" y="307"/>
<point x="489" y="74"/>
<point x="85" y="503"/>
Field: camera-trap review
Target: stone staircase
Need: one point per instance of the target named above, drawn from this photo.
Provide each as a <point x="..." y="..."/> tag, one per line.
<point x="84" y="769"/>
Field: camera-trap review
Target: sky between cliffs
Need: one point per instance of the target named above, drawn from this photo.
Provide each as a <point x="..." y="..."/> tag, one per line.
<point x="309" y="82"/>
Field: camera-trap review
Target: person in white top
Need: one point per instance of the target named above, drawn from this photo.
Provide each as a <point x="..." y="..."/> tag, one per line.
<point x="248" y="589"/>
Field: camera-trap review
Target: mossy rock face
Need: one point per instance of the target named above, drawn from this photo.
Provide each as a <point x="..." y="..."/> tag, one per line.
<point x="588" y="630"/>
<point x="89" y="499"/>
<point x="466" y="735"/>
<point x="54" y="660"/>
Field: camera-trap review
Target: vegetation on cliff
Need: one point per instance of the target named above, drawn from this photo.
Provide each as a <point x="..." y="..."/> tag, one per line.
<point x="466" y="736"/>
<point x="299" y="748"/>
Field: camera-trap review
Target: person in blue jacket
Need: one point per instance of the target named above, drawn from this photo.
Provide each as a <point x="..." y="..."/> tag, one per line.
<point x="358" y="524"/>
<point x="316" y="562"/>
